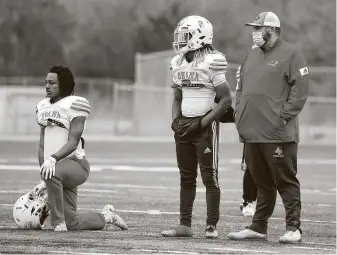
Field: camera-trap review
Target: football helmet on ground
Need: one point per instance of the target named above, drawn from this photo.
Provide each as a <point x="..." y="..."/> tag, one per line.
<point x="30" y="211"/>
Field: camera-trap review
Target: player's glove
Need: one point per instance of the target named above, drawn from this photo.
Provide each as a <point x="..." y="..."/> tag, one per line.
<point x="47" y="170"/>
<point x="185" y="127"/>
<point x="194" y="126"/>
<point x="39" y="188"/>
<point x="228" y="116"/>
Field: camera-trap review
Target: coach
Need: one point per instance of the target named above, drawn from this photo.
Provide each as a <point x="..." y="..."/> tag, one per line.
<point x="273" y="88"/>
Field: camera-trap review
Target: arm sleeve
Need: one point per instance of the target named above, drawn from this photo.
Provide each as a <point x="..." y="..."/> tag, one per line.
<point x="79" y="107"/>
<point x="298" y="79"/>
<point x="218" y="70"/>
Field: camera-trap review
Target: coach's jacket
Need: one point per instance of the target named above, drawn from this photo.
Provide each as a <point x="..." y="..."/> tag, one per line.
<point x="271" y="91"/>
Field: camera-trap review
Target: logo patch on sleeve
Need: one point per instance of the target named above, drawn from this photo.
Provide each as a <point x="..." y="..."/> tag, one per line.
<point x="304" y="71"/>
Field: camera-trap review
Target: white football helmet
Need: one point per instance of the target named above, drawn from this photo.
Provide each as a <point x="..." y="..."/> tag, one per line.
<point x="30" y="211"/>
<point x="192" y="33"/>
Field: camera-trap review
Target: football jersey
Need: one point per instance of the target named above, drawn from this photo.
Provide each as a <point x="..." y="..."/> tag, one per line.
<point x="56" y="119"/>
<point x="197" y="80"/>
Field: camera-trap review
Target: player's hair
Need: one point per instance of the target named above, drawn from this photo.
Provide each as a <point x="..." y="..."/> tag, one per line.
<point x="200" y="53"/>
<point x="66" y="80"/>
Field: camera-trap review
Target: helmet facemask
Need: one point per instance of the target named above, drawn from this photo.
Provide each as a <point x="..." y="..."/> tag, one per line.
<point x="181" y="38"/>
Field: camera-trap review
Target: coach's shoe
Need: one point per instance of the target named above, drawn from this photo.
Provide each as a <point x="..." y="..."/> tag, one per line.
<point x="62" y="227"/>
<point x="180" y="231"/>
<point x="291" y="237"/>
<point x="211" y="232"/>
<point x="248" y="209"/>
<point x="247" y="234"/>
<point x="112" y="218"/>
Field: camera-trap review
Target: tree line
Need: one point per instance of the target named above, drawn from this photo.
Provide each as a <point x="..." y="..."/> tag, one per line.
<point x="100" y="38"/>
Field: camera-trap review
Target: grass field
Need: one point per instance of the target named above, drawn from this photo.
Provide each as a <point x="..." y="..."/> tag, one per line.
<point x="142" y="182"/>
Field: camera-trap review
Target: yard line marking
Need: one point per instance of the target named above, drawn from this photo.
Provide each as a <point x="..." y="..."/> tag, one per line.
<point x="159" y="212"/>
<point x="222" y="161"/>
<point x="242" y="250"/>
<point x="98" y="168"/>
<point x="282" y="219"/>
<point x="198" y="189"/>
<point x="324" y="244"/>
<point x="312" y="248"/>
<point x="36" y="168"/>
<point x="164" y="251"/>
<point x="93" y="193"/>
<point x="138" y="188"/>
<point x="80" y="253"/>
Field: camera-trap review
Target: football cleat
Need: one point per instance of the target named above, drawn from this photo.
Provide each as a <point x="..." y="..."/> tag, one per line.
<point x="246" y="234"/>
<point x="112" y="218"/>
<point x="291" y="237"/>
<point x="62" y="227"/>
<point x="180" y="231"/>
<point x="211" y="232"/>
<point x="248" y="209"/>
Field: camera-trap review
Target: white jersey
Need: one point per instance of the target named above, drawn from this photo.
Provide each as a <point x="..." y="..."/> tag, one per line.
<point x="197" y="81"/>
<point x="56" y="119"/>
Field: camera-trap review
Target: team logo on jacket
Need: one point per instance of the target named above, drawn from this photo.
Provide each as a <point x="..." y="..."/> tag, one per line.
<point x="273" y="63"/>
<point x="278" y="153"/>
<point x="304" y="71"/>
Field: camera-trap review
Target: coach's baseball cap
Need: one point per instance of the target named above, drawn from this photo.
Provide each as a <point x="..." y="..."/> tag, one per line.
<point x="265" y="19"/>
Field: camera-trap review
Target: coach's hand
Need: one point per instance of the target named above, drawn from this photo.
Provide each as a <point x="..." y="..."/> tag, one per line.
<point x="47" y="170"/>
<point x="39" y="188"/>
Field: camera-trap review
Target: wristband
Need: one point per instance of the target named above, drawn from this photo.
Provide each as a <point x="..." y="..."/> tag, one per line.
<point x="55" y="157"/>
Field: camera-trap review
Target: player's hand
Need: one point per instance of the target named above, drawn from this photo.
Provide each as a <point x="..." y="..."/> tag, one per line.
<point x="47" y="170"/>
<point x="194" y="127"/>
<point x="39" y="188"/>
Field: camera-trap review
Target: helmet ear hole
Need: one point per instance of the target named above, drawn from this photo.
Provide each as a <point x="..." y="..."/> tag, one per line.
<point x="202" y="37"/>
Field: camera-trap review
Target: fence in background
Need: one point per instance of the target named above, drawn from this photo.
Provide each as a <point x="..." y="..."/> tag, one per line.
<point x="121" y="108"/>
<point x="136" y="110"/>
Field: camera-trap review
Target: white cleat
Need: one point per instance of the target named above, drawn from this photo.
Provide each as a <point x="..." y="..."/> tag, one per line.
<point x="112" y="218"/>
<point x="247" y="234"/>
<point x="291" y="237"/>
<point x="179" y="231"/>
<point x="62" y="227"/>
<point x="248" y="210"/>
<point x="211" y="232"/>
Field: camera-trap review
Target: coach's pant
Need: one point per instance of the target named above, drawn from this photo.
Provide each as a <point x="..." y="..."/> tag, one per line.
<point x="201" y="148"/>
<point x="274" y="168"/>
<point x="62" y="196"/>
<point x="249" y="187"/>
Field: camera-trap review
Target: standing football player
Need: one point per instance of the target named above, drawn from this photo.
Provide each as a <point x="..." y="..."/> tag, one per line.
<point x="199" y="79"/>
<point x="61" y="154"/>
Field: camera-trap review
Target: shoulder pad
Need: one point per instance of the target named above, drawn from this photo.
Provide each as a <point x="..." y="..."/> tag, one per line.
<point x="216" y="61"/>
<point x="79" y="104"/>
<point x="175" y="61"/>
